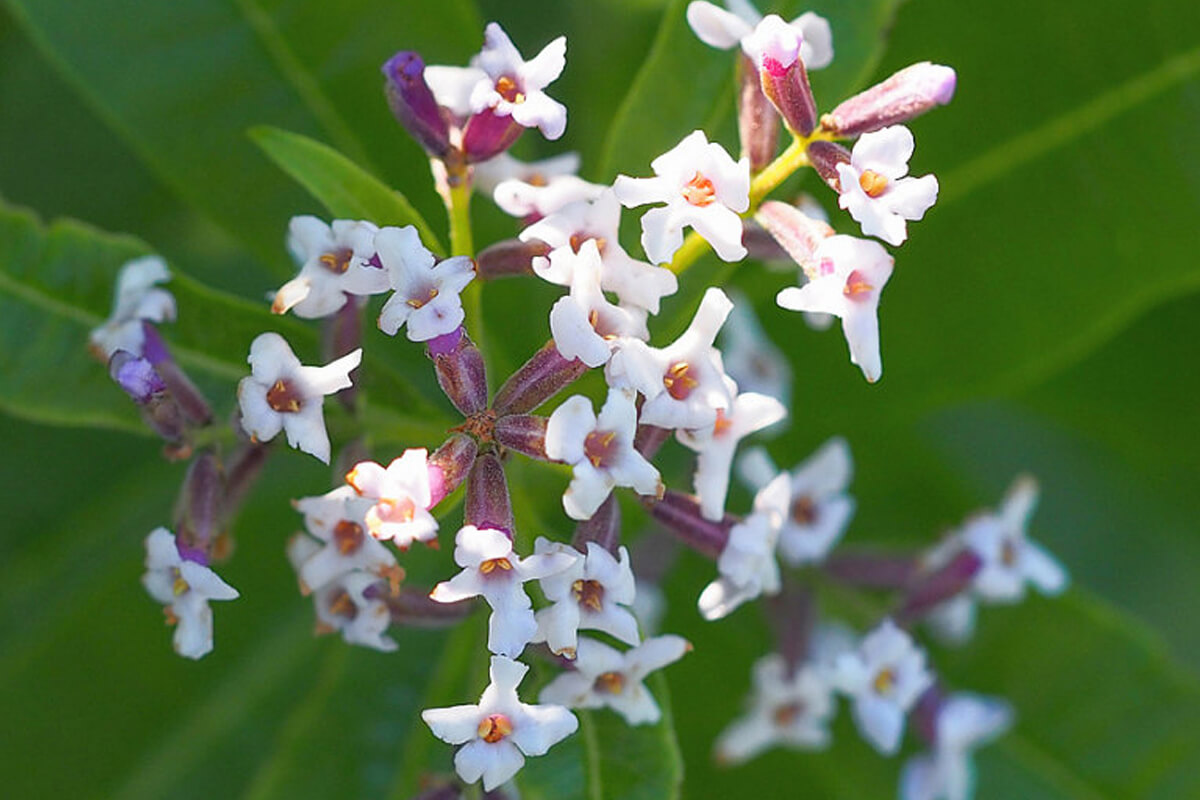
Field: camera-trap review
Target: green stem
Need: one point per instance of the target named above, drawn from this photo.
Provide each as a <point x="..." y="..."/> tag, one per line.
<point x="458" y="208"/>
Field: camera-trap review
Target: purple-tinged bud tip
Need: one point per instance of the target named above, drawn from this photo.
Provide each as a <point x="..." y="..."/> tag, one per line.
<point x="136" y="376"/>
<point x="909" y="93"/>
<point x="509" y="258"/>
<point x="460" y="371"/>
<point x="201" y="502"/>
<point x="488" y="504"/>
<point x="449" y="465"/>
<point x="413" y="104"/>
<point x="789" y="91"/>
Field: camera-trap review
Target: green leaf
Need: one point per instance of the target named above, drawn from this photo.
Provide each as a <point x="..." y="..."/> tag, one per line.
<point x="344" y="188"/>
<point x="56" y="284"/>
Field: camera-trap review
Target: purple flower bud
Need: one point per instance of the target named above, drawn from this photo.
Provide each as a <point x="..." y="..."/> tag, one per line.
<point x="413" y="103"/>
<point x="460" y="371"/>
<point x="871" y="570"/>
<point x="136" y="376"/>
<point x="603" y="528"/>
<point x="680" y="514"/>
<point x="909" y="93"/>
<point x="825" y="156"/>
<point x="488" y="504"/>
<point x="544" y="375"/>
<point x="191" y="402"/>
<point x="154" y="349"/>
<point x="508" y="258"/>
<point x="488" y="134"/>
<point x="449" y="465"/>
<point x="758" y="124"/>
<point x="797" y="233"/>
<point x="938" y="586"/>
<point x="525" y="433"/>
<point x="414" y="608"/>
<point x="200" y="511"/>
<point x="789" y="91"/>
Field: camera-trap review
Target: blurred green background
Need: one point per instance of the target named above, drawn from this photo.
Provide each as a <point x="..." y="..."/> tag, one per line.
<point x="1042" y="318"/>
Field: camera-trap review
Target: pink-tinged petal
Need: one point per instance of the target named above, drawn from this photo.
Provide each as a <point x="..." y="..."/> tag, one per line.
<point x="568" y="428"/>
<point x="715" y="26"/>
<point x="462" y="586"/>
<point x="499" y="55"/>
<point x="544" y="68"/>
<point x="912" y="197"/>
<point x="543" y="727"/>
<point x="773" y="39"/>
<point x="453" y="725"/>
<point x="885" y="151"/>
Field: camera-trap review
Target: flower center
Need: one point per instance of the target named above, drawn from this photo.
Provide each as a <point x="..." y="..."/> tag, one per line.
<point x="804" y="510"/>
<point x="603" y="326"/>
<point x="856" y="285"/>
<point x="610" y="683"/>
<point x="680" y="380"/>
<point x="420" y="301"/>
<point x="341" y="605"/>
<point x="699" y="191"/>
<point x="393" y="510"/>
<point x="493" y="564"/>
<point x="507" y="88"/>
<point x="600" y="447"/>
<point x="884" y="681"/>
<point x="538" y="179"/>
<point x="1008" y="553"/>
<point x="589" y="594"/>
<point x="788" y="714"/>
<point x="872" y="183"/>
<point x="178" y="584"/>
<point x="348" y="536"/>
<point x="337" y="261"/>
<point x="494" y="727"/>
<point x="283" y="397"/>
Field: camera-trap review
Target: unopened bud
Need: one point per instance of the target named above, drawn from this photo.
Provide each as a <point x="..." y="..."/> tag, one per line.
<point x="938" y="586"/>
<point x="758" y="124"/>
<point x="775" y="49"/>
<point x="509" y="258"/>
<point x="449" y="465"/>
<point x="489" y="134"/>
<point x="544" y="375"/>
<point x="413" y="103"/>
<point x="797" y="233"/>
<point x="136" y="376"/>
<point x="460" y="371"/>
<point x="488" y="504"/>
<point x="525" y="433"/>
<point x="603" y="528"/>
<point x="191" y="401"/>
<point x="825" y="157"/>
<point x="680" y="514"/>
<point x="200" y="511"/>
<point x="909" y="93"/>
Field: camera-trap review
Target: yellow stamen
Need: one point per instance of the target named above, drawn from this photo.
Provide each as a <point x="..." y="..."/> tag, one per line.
<point x="493" y="564"/>
<point x="872" y="183"/>
<point x="494" y="727"/>
<point x="699" y="191"/>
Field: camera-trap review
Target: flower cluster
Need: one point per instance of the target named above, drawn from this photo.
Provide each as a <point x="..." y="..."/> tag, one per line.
<point x="718" y="383"/>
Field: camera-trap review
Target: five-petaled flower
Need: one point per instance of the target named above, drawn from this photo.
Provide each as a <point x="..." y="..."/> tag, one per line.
<point x="427" y="297"/>
<point x="281" y="394"/>
<point x="138" y="299"/>
<point x="594" y="593"/>
<point x="514" y="86"/>
<point x="702" y="186"/>
<point x="399" y="495"/>
<point x="963" y="723"/>
<point x="337" y="519"/>
<point x="497" y="733"/>
<point x="726" y="29"/>
<point x="335" y="261"/>
<point x="874" y="189"/>
<point x="184" y="587"/>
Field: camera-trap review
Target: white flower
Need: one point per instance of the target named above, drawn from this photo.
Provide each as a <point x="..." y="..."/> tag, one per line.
<point x="792" y="710"/>
<point x="344" y="606"/>
<point x="847" y="281"/>
<point x="1010" y="558"/>
<point x="747" y="565"/>
<point x="137" y="299"/>
<point x="333" y="263"/>
<point x="749" y="412"/>
<point x="516" y="85"/>
<point x="535" y="189"/>
<point x="750" y="358"/>
<point x="820" y="508"/>
<point x="500" y="728"/>
<point x="399" y="495"/>
<point x="427" y="294"/>
<point x="634" y="282"/>
<point x="600" y="449"/>
<point x="873" y="187"/>
<point x="684" y="382"/>
<point x="281" y="394"/>
<point x="591" y="594"/>
<point x="602" y="676"/>
<point x="184" y="588"/>
<point x="337" y="518"/>
<point x="584" y="324"/>
<point x="702" y="186"/>
<point x="719" y="28"/>
<point x="884" y="677"/>
<point x="964" y="723"/>
<point x="492" y="569"/>
<point x="488" y="175"/>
